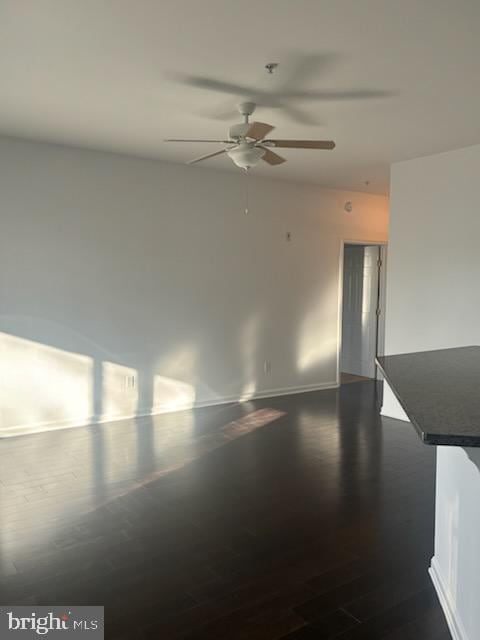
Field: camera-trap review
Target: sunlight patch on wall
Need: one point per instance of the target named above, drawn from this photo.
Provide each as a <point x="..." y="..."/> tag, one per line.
<point x="119" y="391"/>
<point x="248" y="391"/>
<point x="319" y="352"/>
<point x="172" y="390"/>
<point x="171" y="395"/>
<point x="42" y="387"/>
<point x="248" y="346"/>
<point x="180" y="363"/>
<point x="317" y="343"/>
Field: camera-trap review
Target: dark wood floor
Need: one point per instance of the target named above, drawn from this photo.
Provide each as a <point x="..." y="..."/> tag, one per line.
<point x="298" y="517"/>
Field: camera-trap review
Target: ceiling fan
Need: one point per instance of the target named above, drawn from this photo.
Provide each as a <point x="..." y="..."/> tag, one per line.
<point x="248" y="144"/>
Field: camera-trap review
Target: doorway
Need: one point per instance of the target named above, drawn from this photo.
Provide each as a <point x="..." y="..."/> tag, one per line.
<point x="362" y="311"/>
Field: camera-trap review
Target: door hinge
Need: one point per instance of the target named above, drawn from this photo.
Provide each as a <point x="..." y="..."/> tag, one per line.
<point x="379" y="263"/>
<point x="378" y="312"/>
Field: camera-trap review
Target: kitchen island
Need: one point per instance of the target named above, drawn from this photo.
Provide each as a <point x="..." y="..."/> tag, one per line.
<point x="439" y="391"/>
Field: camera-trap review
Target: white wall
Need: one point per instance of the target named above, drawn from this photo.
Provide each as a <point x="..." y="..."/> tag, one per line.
<point x="433" y="256"/>
<point x="433" y="302"/>
<point x="456" y="565"/>
<point x="129" y="285"/>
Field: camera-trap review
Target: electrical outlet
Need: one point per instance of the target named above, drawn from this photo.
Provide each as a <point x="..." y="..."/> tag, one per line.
<point x="267" y="366"/>
<point x="130" y="382"/>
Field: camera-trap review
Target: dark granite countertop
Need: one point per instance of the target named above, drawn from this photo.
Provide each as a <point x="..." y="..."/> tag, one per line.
<point x="440" y="393"/>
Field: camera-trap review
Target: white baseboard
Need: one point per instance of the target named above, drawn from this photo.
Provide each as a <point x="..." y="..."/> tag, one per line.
<point x="20" y="430"/>
<point x="40" y="427"/>
<point x="454" y="623"/>
<point x="268" y="393"/>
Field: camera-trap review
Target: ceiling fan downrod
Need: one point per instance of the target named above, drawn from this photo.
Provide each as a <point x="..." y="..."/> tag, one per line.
<point x="246" y="109"/>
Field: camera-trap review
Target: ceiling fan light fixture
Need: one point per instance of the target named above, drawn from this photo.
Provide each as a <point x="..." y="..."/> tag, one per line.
<point x="246" y="155"/>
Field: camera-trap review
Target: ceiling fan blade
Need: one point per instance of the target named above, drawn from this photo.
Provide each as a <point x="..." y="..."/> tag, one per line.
<point x="272" y="158"/>
<point x="258" y="130"/>
<point x="298" y="115"/>
<point x="302" y="144"/>
<point x="208" y="155"/>
<point x="212" y="84"/>
<point x="300" y="70"/>
<point x="196" y="140"/>
<point x="354" y="94"/>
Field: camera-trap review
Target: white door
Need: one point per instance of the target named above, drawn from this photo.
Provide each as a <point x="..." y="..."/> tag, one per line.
<point x="359" y="319"/>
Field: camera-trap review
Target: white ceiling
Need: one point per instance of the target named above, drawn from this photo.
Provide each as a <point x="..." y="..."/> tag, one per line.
<point x="103" y="74"/>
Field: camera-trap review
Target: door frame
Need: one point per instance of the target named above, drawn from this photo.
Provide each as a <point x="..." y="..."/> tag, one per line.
<point x="383" y="244"/>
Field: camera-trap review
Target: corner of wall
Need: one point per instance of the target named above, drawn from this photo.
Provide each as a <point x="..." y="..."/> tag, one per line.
<point x="391" y="407"/>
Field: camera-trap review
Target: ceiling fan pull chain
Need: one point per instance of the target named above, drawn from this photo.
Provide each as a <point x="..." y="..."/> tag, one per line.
<point x="246" y="190"/>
